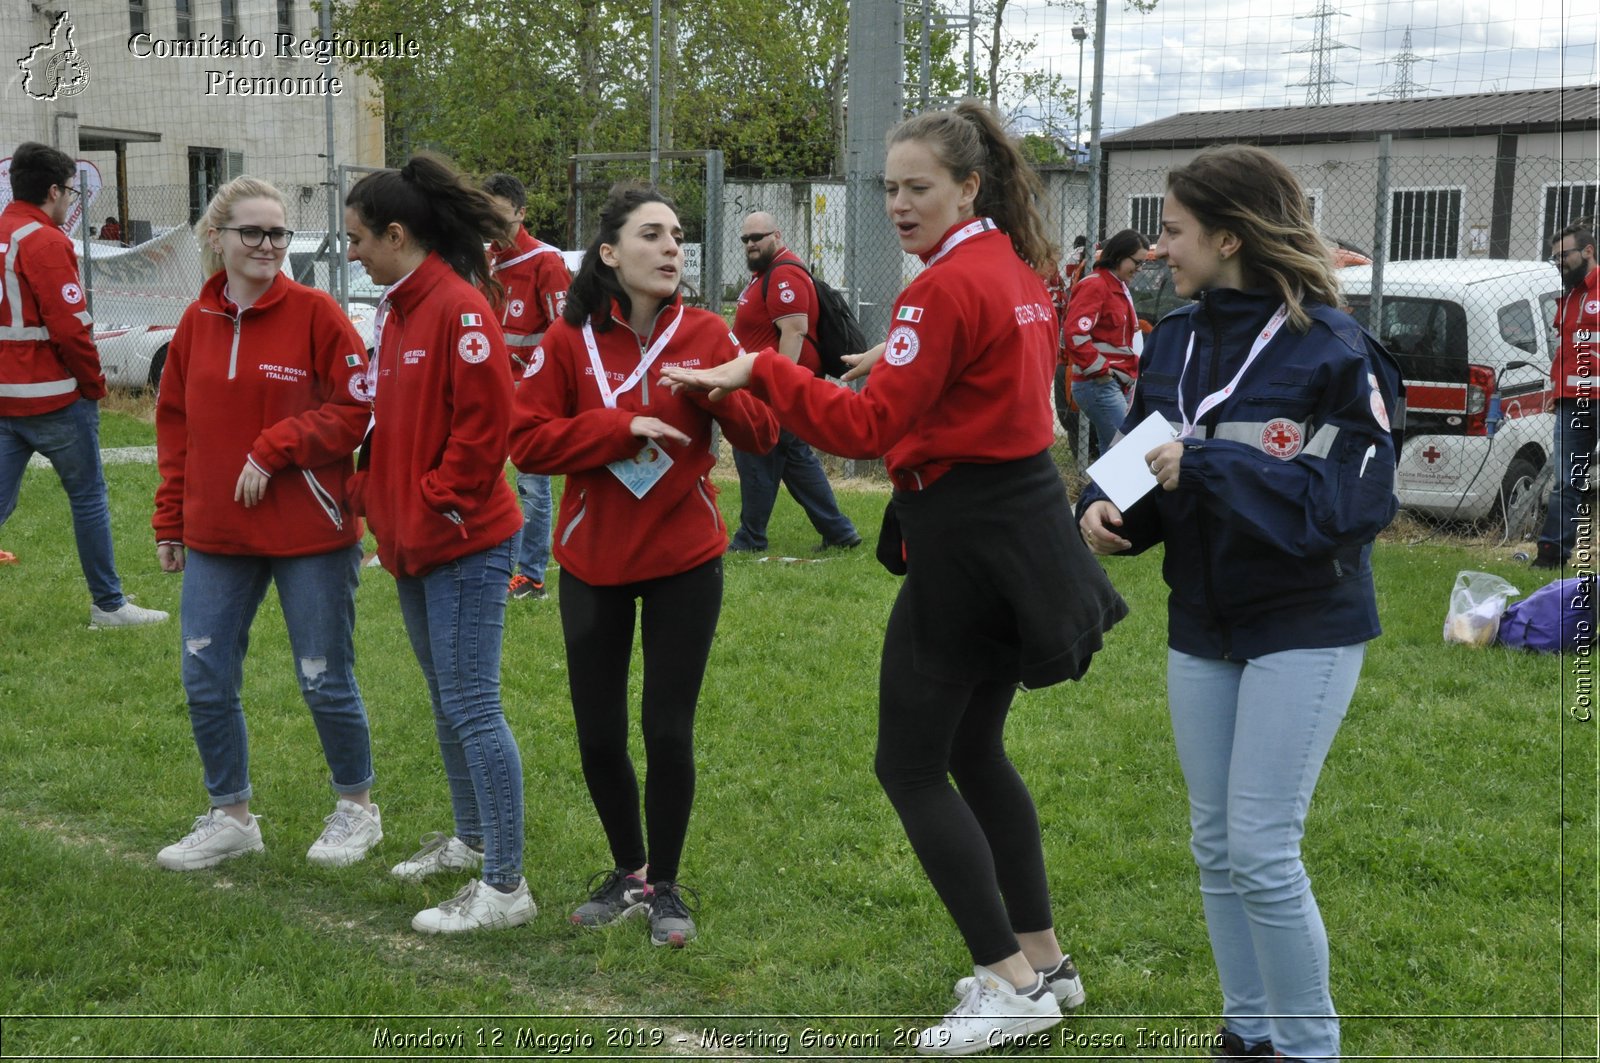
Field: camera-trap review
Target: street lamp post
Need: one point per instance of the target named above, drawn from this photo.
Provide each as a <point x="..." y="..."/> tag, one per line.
<point x="1080" y="35"/>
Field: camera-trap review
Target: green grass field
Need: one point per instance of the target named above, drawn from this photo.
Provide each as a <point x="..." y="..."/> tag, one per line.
<point x="1452" y="840"/>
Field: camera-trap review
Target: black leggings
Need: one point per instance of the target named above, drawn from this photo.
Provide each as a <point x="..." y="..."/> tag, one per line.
<point x="678" y="620"/>
<point x="980" y="847"/>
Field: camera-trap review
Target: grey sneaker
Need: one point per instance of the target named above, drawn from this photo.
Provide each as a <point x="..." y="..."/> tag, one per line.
<point x="479" y="906"/>
<point x="671" y="918"/>
<point x="439" y="852"/>
<point x="621" y="895"/>
<point x="1063" y="980"/>
<point x="350" y="833"/>
<point x="128" y="615"/>
<point x="216" y="837"/>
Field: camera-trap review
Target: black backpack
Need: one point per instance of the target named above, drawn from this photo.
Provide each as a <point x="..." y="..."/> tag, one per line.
<point x="838" y="332"/>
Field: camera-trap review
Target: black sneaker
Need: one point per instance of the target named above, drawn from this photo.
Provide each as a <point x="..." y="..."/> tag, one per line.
<point x="1549" y="557"/>
<point x="843" y="544"/>
<point x="621" y="895"/>
<point x="671" y="917"/>
<point x="1232" y="1046"/>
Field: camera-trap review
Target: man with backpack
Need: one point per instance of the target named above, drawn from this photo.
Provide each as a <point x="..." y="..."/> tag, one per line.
<point x="779" y="309"/>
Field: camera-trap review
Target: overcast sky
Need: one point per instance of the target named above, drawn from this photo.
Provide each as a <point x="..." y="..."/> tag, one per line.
<point x="1193" y="55"/>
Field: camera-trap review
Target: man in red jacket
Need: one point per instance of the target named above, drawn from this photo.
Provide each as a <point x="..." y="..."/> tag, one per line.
<point x="1573" y="383"/>
<point x="536" y="281"/>
<point x="50" y="379"/>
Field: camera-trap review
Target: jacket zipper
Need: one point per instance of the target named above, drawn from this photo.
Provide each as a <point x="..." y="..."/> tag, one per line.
<point x="454" y="517"/>
<point x="700" y="485"/>
<point x="324" y="499"/>
<point x="1205" y="540"/>
<point x="233" y="355"/>
<point x="582" y="509"/>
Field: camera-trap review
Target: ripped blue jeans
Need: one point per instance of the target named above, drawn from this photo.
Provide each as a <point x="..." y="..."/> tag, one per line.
<point x="221" y="593"/>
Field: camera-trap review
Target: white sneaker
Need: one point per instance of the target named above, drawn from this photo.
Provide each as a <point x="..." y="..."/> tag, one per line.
<point x="479" y="906"/>
<point x="216" y="837"/>
<point x="350" y="834"/>
<point x="129" y="615"/>
<point x="439" y="852"/>
<point x="1063" y="980"/>
<point x="992" y="1013"/>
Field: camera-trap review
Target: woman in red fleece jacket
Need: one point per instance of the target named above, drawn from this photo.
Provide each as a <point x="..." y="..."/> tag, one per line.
<point x="432" y="484"/>
<point x="261" y="404"/>
<point x="1000" y="592"/>
<point x="638" y="521"/>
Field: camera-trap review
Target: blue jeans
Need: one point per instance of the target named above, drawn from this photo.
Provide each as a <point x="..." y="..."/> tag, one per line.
<point x="70" y="439"/>
<point x="221" y="593"/>
<point x="455" y="617"/>
<point x="1574" y="449"/>
<point x="1252" y="737"/>
<point x="533" y="541"/>
<point x="1102" y="401"/>
<point x="795" y="465"/>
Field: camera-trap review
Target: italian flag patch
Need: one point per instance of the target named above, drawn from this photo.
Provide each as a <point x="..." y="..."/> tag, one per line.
<point x="472" y="319"/>
<point x="909" y="313"/>
<point x="352" y="360"/>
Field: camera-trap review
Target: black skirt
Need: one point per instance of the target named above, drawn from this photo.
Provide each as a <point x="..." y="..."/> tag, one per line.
<point x="1000" y="584"/>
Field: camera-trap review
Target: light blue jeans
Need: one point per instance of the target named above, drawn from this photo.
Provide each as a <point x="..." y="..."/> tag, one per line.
<point x="455" y="617"/>
<point x="221" y="593"/>
<point x="70" y="439"/>
<point x="1101" y="399"/>
<point x="533" y="541"/>
<point x="1252" y="737"/>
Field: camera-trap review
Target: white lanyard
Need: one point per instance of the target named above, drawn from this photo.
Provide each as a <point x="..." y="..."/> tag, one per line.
<point x="508" y="263"/>
<point x="608" y="396"/>
<point x="1133" y="311"/>
<point x="972" y="228"/>
<point x="1215" y="397"/>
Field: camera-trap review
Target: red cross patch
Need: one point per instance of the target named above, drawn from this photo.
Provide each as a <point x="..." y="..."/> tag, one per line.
<point x="1282" y="438"/>
<point x="901" y="346"/>
<point x="473" y="346"/>
<point x="72" y="293"/>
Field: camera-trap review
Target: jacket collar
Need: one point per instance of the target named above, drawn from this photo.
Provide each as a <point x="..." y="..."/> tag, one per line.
<point x="619" y="318"/>
<point x="522" y="244"/>
<point x="415" y="286"/>
<point x="213" y="294"/>
<point x="32" y="212"/>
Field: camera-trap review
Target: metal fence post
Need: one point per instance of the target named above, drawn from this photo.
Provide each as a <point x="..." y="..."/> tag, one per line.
<point x="1380" y="235"/>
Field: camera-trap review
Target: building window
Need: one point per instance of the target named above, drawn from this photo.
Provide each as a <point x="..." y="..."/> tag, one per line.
<point x="1566" y="204"/>
<point x="206" y="175"/>
<point x="1144" y="215"/>
<point x="230" y="18"/>
<point x="138" y="21"/>
<point x="1425" y="223"/>
<point x="285" y="16"/>
<point x="185" y="20"/>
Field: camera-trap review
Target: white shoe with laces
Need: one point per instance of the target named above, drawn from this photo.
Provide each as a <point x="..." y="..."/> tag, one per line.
<point x="992" y="1013"/>
<point x="128" y="615"/>
<point x="215" y="837"/>
<point x="1063" y="980"/>
<point x="479" y="906"/>
<point x="440" y="852"/>
<point x="350" y="833"/>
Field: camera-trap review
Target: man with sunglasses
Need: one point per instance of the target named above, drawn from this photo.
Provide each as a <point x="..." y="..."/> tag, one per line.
<point x="50" y="378"/>
<point x="779" y="309"/>
<point x="1573" y="383"/>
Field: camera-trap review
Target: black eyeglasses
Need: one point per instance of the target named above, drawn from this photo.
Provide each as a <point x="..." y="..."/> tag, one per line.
<point x="252" y="235"/>
<point x="71" y="190"/>
<point x="1561" y="256"/>
<point x="754" y="238"/>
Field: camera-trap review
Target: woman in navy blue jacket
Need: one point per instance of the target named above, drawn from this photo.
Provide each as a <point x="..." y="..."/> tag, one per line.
<point x="1268" y="501"/>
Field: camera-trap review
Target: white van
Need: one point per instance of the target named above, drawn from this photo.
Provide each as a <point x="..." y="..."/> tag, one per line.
<point x="1474" y="339"/>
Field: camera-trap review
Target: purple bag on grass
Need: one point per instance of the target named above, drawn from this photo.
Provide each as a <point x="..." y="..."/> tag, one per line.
<point x="1558" y="617"/>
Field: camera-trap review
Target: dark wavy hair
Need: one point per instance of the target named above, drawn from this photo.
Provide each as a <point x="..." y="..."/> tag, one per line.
<point x="596" y="284"/>
<point x="970" y="139"/>
<point x="441" y="210"/>
<point x="1245" y="190"/>
<point x="1126" y="244"/>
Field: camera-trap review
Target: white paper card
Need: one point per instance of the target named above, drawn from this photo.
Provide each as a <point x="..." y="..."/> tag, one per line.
<point x="644" y="470"/>
<point x="1122" y="472"/>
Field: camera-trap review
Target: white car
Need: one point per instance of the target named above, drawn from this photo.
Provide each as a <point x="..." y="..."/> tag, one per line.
<point x="1474" y="341"/>
<point x="138" y="294"/>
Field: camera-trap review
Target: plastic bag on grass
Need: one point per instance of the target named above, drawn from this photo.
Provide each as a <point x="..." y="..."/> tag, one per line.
<point x="1476" y="602"/>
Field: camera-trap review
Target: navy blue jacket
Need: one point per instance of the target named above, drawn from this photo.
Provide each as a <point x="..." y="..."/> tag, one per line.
<point x="1283" y="485"/>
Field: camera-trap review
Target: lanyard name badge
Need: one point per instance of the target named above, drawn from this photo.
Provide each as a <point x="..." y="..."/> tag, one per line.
<point x="645" y="469"/>
<point x="972" y="228"/>
<point x="1227" y="389"/>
